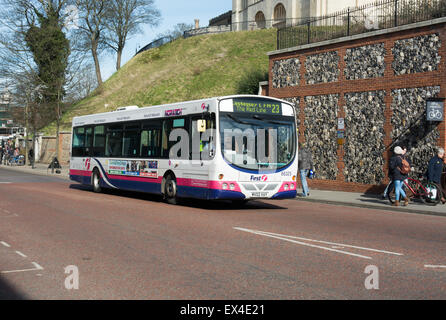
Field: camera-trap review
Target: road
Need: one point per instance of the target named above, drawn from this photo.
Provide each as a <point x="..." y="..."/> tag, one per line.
<point x="134" y="246"/>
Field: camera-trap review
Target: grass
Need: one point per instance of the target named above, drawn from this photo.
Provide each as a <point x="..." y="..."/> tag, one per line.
<point x="186" y="69"/>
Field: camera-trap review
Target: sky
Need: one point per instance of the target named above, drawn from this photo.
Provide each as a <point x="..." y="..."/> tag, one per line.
<point x="172" y="13"/>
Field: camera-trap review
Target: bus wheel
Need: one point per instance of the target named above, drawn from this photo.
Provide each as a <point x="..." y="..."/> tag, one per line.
<point x="170" y="191"/>
<point x="96" y="181"/>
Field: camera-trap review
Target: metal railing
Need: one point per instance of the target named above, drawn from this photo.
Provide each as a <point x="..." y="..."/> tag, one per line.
<point x="155" y="44"/>
<point x="382" y="14"/>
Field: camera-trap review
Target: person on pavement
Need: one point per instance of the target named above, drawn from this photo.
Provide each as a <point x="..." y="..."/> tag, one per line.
<point x="305" y="164"/>
<point x="434" y="171"/>
<point x="400" y="168"/>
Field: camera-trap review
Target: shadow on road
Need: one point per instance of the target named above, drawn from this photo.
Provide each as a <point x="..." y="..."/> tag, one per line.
<point x="7" y="292"/>
<point x="222" y="205"/>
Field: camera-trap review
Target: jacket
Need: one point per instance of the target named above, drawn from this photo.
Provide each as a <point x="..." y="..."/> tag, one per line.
<point x="396" y="162"/>
<point x="435" y="169"/>
<point x="305" y="159"/>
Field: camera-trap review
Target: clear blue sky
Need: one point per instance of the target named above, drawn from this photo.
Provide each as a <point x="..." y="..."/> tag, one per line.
<point x="172" y="13"/>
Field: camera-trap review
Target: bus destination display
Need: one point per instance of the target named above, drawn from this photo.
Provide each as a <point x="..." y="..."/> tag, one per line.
<point x="257" y="106"/>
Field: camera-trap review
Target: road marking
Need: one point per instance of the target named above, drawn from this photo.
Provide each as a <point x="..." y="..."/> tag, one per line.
<point x="434" y="266"/>
<point x="36" y="265"/>
<point x="5" y="182"/>
<point x="21" y="254"/>
<point x="5" y="244"/>
<point x="333" y="244"/>
<point x="301" y="243"/>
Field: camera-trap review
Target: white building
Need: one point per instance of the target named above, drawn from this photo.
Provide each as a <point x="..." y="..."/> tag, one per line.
<point x="255" y="14"/>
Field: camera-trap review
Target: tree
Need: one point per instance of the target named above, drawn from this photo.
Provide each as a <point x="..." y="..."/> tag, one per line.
<point x="177" y="31"/>
<point x="125" y="19"/>
<point x="92" y="15"/>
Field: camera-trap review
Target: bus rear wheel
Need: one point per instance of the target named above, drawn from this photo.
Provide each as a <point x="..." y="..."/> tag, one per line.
<point x="96" y="181"/>
<point x="170" y="190"/>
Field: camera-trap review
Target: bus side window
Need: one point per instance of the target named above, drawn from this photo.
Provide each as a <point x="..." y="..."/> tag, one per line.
<point x="88" y="142"/>
<point x="151" y="140"/>
<point x="113" y="144"/>
<point x="131" y="141"/>
<point x="99" y="141"/>
<point x="78" y="142"/>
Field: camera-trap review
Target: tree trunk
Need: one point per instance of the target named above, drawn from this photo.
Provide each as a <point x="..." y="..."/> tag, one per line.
<point x="94" y="52"/>
<point x="118" y="59"/>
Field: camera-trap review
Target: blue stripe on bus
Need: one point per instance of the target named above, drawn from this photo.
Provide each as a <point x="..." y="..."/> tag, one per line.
<point x="285" y="195"/>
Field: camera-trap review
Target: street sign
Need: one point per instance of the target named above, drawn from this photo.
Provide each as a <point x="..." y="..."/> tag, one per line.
<point x="341" y="124"/>
<point x="435" y="110"/>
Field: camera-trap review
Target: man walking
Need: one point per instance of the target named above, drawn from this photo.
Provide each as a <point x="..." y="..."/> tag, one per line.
<point x="434" y="171"/>
<point x="305" y="164"/>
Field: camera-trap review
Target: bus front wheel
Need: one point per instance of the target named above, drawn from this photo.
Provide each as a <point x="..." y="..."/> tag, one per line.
<point x="96" y="181"/>
<point x="170" y="191"/>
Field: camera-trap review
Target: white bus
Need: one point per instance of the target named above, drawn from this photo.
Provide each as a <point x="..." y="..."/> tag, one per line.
<point x="234" y="148"/>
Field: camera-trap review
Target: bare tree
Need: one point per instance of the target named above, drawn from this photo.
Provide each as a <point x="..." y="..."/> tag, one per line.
<point x="125" y="19"/>
<point x="92" y="15"/>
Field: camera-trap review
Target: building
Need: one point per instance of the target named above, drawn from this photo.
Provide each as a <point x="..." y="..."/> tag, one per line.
<point x="6" y="121"/>
<point x="260" y="14"/>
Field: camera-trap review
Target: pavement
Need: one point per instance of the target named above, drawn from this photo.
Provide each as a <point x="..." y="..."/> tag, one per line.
<point x="41" y="169"/>
<point x="371" y="201"/>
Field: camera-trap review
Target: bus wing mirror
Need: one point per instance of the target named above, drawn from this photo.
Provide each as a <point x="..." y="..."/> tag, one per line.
<point x="201" y="125"/>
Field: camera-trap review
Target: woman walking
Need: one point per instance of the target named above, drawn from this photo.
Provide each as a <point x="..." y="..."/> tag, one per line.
<point x="400" y="168"/>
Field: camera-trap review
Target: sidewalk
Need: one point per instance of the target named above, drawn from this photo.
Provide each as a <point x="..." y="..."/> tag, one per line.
<point x="370" y="201"/>
<point x="41" y="169"/>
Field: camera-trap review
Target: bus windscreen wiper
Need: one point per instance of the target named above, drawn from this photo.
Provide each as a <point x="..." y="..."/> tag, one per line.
<point x="237" y="120"/>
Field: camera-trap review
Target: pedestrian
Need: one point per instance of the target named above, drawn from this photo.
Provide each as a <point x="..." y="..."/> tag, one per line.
<point x="434" y="171"/>
<point x="400" y="167"/>
<point x="305" y="164"/>
<point x="31" y="156"/>
<point x="1" y="154"/>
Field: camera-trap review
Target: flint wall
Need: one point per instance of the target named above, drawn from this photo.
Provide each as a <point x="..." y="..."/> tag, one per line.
<point x="378" y="83"/>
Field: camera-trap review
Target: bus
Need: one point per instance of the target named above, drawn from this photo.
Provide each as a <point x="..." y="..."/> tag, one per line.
<point x="235" y="148"/>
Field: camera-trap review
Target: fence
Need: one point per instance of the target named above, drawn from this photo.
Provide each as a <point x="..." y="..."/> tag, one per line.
<point x="207" y="30"/>
<point x="155" y="44"/>
<point x="379" y="15"/>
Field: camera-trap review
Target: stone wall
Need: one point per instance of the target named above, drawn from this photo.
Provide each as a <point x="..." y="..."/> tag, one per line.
<point x="320" y="133"/>
<point x="365" y="62"/>
<point x="410" y="127"/>
<point x="378" y="83"/>
<point x="322" y="67"/>
<point x="364" y="142"/>
<point x="286" y="73"/>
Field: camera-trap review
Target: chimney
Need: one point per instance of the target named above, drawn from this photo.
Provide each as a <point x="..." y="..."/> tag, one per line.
<point x="197" y="24"/>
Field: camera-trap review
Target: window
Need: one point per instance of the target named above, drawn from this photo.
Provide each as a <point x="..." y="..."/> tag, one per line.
<point x="113" y="145"/>
<point x="204" y="144"/>
<point x="151" y="140"/>
<point x="168" y="126"/>
<point x="130" y="142"/>
<point x="260" y="20"/>
<point x="88" y="142"/>
<point x="78" y="142"/>
<point x="99" y="141"/>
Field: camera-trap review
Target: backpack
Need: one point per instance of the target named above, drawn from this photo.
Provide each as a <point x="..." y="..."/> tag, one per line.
<point x="405" y="166"/>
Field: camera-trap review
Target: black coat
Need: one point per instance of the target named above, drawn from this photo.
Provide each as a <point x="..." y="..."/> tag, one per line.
<point x="435" y="169"/>
<point x="396" y="163"/>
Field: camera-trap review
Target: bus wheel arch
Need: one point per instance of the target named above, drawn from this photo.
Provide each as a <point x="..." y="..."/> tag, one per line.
<point x="96" y="180"/>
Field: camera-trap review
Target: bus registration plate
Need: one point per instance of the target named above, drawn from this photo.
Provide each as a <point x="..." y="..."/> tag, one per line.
<point x="259" y="194"/>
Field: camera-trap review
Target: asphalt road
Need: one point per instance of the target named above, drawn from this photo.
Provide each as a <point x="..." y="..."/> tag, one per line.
<point x="134" y="246"/>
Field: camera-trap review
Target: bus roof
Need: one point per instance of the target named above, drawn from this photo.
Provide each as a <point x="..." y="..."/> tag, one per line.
<point x="153" y="112"/>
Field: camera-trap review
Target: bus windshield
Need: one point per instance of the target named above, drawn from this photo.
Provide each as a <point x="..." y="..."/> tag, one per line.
<point x="258" y="142"/>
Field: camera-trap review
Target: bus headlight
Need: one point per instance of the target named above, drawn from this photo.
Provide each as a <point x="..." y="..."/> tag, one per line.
<point x="225" y="186"/>
<point x="232" y="186"/>
<point x="287" y="187"/>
